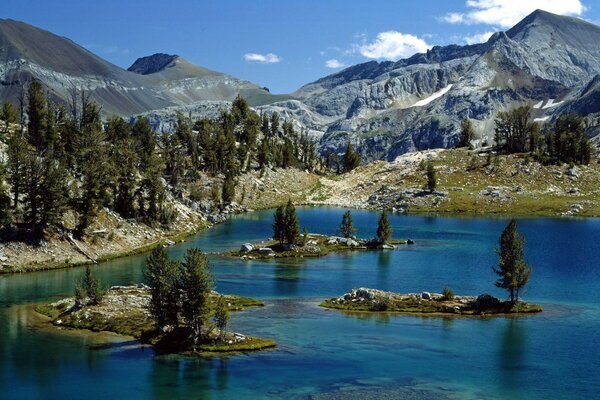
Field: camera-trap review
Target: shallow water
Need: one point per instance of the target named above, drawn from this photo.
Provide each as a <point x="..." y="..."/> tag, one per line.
<point x="330" y="354"/>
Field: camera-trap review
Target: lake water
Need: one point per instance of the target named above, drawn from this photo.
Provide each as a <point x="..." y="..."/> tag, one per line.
<point x="329" y="354"/>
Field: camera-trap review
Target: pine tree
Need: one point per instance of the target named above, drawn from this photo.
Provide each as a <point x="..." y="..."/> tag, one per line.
<point x="431" y="177"/>
<point x="512" y="269"/>
<point x="347" y="227"/>
<point x="467" y="133"/>
<point x="228" y="192"/>
<point x="17" y="152"/>
<point x="89" y="286"/>
<point x="351" y="158"/>
<point x="221" y="317"/>
<point x="292" y="225"/>
<point x="9" y="116"/>
<point x="162" y="274"/>
<point x="196" y="284"/>
<point x="384" y="229"/>
<point x="279" y="224"/>
<point x="36" y="112"/>
<point x="5" y="214"/>
<point x="53" y="192"/>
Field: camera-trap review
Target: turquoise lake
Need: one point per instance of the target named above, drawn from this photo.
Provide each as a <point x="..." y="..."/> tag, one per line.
<point x="328" y="354"/>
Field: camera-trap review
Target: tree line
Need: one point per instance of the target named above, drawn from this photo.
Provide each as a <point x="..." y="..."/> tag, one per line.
<point x="565" y="141"/>
<point x="64" y="158"/>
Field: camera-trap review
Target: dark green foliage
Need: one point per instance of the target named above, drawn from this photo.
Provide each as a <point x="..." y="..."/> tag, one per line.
<point x="292" y="226"/>
<point x="431" y="177"/>
<point x="196" y="284"/>
<point x="221" y="316"/>
<point x="8" y="115"/>
<point x="162" y="276"/>
<point x="568" y="142"/>
<point x="279" y="224"/>
<point x="513" y="130"/>
<point x="512" y="269"/>
<point x="384" y="229"/>
<point x="351" y="158"/>
<point x="467" y="133"/>
<point x="89" y="287"/>
<point x="36" y="112"/>
<point x="347" y="228"/>
<point x="228" y="192"/>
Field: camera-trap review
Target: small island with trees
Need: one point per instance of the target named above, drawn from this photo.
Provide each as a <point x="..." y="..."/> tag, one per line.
<point x="179" y="312"/>
<point x="288" y="242"/>
<point x="513" y="274"/>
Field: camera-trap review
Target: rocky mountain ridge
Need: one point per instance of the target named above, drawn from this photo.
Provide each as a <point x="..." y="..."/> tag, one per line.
<point x="385" y="108"/>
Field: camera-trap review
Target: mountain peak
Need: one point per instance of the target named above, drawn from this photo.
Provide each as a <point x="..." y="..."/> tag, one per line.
<point x="152" y="64"/>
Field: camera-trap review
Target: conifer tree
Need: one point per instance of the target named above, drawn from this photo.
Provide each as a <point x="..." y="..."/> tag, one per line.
<point x="36" y="112"/>
<point x="347" y="227"/>
<point x="512" y="269"/>
<point x="196" y="284"/>
<point x="292" y="225"/>
<point x="384" y="229"/>
<point x="467" y="133"/>
<point x="279" y="224"/>
<point x="351" y="158"/>
<point x="228" y="191"/>
<point x="162" y="275"/>
<point x="8" y="114"/>
<point x="431" y="177"/>
<point x="221" y="317"/>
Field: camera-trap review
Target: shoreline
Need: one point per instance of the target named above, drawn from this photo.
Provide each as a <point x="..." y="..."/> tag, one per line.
<point x="200" y="227"/>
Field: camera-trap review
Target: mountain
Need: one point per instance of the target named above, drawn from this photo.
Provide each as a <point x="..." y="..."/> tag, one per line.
<point x="151" y="83"/>
<point x="386" y="108"/>
<point x="389" y="108"/>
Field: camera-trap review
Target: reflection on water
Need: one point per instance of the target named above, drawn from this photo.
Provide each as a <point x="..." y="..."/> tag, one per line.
<point x="329" y="354"/>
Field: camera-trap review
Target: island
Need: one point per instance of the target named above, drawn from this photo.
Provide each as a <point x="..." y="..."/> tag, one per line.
<point x="310" y="245"/>
<point x="124" y="310"/>
<point x="373" y="300"/>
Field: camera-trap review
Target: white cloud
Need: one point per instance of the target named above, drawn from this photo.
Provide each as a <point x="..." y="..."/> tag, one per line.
<point x="333" y="63"/>
<point x="392" y="45"/>
<point x="269" y="58"/>
<point x="506" y="13"/>
<point x="478" y="38"/>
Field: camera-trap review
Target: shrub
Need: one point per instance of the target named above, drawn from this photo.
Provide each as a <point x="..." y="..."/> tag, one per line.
<point x="448" y="294"/>
<point x="380" y="305"/>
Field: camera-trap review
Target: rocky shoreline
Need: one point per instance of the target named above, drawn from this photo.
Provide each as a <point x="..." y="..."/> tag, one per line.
<point x="311" y="245"/>
<point x="124" y="311"/>
<point x="373" y="300"/>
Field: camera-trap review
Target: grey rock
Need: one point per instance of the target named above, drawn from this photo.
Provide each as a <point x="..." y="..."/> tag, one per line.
<point x="426" y="295"/>
<point x="246" y="248"/>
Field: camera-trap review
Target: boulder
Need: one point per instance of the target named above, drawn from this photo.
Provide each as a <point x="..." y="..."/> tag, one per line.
<point x="426" y="295"/>
<point x="266" y="251"/>
<point x="246" y="248"/>
<point x="388" y="246"/>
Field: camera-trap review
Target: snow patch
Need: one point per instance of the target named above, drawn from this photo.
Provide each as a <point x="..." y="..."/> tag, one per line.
<point x="542" y="119"/>
<point x="551" y="103"/>
<point x="539" y="105"/>
<point x="433" y="97"/>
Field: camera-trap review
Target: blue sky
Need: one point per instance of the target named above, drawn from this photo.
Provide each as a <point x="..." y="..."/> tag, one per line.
<point x="279" y="44"/>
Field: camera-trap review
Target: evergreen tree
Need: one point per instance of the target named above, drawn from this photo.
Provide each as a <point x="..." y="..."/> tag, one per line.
<point x="347" y="227"/>
<point x="17" y="152"/>
<point x="384" y="229"/>
<point x="228" y="192"/>
<point x="162" y="275"/>
<point x="89" y="286"/>
<point x="221" y="317"/>
<point x="36" y="112"/>
<point x="292" y="225"/>
<point x="92" y="165"/>
<point x="351" y="158"/>
<point x="279" y="224"/>
<point x="53" y="193"/>
<point x="431" y="177"/>
<point x="8" y="114"/>
<point x="513" y="130"/>
<point x="196" y="284"/>
<point x="512" y="269"/>
<point x="274" y="124"/>
<point x="467" y="133"/>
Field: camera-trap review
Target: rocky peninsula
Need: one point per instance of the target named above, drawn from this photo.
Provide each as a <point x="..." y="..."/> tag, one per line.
<point x="373" y="300"/>
<point x="124" y="310"/>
